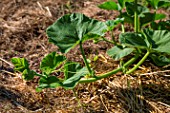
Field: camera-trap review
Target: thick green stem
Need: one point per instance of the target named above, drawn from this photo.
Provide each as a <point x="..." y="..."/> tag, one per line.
<point x="139" y="63"/>
<point x="136" y="19"/>
<point x="122" y="23"/>
<point x="85" y="60"/>
<point x="123" y="28"/>
<point x="105" y="75"/>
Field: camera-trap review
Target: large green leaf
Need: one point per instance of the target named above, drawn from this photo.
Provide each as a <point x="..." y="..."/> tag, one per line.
<point x="71" y="82"/>
<point x="70" y="29"/>
<point x="159" y="39"/>
<point x="109" y="5"/>
<point x="154" y="40"/>
<point x="50" y="62"/>
<point x="119" y="52"/>
<point x="20" y="64"/>
<point x="132" y="39"/>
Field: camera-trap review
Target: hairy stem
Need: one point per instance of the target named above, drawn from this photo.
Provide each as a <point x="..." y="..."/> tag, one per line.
<point x="139" y="63"/>
<point x="85" y="60"/>
<point x="105" y="75"/>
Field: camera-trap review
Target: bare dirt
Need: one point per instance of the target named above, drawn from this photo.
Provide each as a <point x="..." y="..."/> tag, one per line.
<point x="22" y="34"/>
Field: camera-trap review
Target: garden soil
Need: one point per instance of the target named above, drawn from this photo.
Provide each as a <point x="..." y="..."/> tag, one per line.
<point x="22" y="34"/>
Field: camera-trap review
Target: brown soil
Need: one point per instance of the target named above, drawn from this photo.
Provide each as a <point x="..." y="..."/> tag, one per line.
<point x="22" y="34"/>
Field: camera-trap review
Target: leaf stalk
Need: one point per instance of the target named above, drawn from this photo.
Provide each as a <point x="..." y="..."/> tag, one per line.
<point x="85" y="60"/>
<point x="105" y="75"/>
<point x="139" y="63"/>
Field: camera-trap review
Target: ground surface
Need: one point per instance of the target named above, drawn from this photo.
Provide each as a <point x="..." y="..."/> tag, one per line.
<point x="22" y="34"/>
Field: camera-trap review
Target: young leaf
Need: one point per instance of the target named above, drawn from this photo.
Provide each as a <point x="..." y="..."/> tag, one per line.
<point x="51" y="62"/>
<point x="109" y="5"/>
<point x="70" y="68"/>
<point x="71" y="82"/>
<point x="111" y="24"/>
<point x="70" y="29"/>
<point x="119" y="52"/>
<point x="160" y="60"/>
<point x="28" y="74"/>
<point x="20" y="64"/>
<point x="49" y="82"/>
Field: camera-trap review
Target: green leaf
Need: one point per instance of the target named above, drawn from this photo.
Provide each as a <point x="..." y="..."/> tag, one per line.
<point x="109" y="5"/>
<point x="160" y="16"/>
<point x="131" y="9"/>
<point x="50" y="62"/>
<point x="70" y="29"/>
<point x="147" y="18"/>
<point x="122" y="2"/>
<point x="163" y="25"/>
<point x="160" y="60"/>
<point x="153" y="3"/>
<point x="20" y="64"/>
<point x="133" y="40"/>
<point x="150" y="17"/>
<point x="164" y="3"/>
<point x="127" y="18"/>
<point x="70" y="68"/>
<point x="159" y="3"/>
<point x="159" y="39"/>
<point x="49" y="82"/>
<point x="111" y="24"/>
<point x="28" y="74"/>
<point x="73" y="81"/>
<point x="154" y="40"/>
<point x="119" y="52"/>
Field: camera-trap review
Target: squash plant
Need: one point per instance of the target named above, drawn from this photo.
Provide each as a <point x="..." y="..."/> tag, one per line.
<point x="149" y="40"/>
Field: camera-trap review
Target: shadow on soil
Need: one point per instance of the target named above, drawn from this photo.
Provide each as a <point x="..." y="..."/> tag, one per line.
<point x="7" y="95"/>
